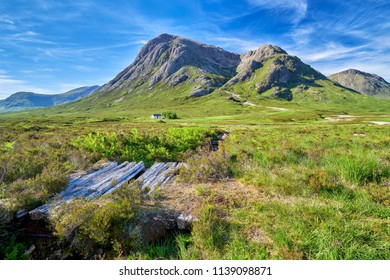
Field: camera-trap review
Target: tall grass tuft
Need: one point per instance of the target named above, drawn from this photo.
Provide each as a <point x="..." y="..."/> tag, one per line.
<point x="357" y="169"/>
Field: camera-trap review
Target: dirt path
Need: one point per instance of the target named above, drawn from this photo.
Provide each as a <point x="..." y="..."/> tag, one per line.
<point x="340" y="118"/>
<point x="277" y="108"/>
<point x="237" y="96"/>
<point x="380" y="122"/>
<point x="249" y="103"/>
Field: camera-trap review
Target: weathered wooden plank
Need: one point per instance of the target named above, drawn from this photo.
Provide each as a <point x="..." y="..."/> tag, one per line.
<point x="89" y="176"/>
<point x="110" y="178"/>
<point x="152" y="171"/>
<point x="126" y="175"/>
<point x="159" y="175"/>
<point x="145" y="179"/>
<point x="86" y="186"/>
<point x="92" y="185"/>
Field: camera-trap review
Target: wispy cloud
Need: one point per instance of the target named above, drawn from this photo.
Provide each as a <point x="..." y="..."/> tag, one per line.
<point x="331" y="51"/>
<point x="6" y="20"/>
<point x="41" y="70"/>
<point x="79" y="51"/>
<point x="8" y="80"/>
<point x="29" y="37"/>
<point x="302" y="35"/>
<point x="298" y="6"/>
<point x="21" y="39"/>
<point x="356" y="37"/>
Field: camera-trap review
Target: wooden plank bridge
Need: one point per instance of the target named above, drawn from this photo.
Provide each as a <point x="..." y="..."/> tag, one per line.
<point x="109" y="177"/>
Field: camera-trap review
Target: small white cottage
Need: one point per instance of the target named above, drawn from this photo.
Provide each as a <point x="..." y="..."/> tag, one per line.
<point x="157" y="116"/>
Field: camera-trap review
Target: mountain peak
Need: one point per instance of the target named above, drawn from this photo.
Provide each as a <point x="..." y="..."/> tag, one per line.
<point x="160" y="39"/>
<point x="271" y="49"/>
<point x="365" y="83"/>
<point x="173" y="60"/>
<point x="359" y="72"/>
<point x="277" y="69"/>
<point x="166" y="37"/>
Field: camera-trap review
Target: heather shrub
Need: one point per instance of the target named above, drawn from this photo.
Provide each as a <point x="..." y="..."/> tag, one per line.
<point x="207" y="166"/>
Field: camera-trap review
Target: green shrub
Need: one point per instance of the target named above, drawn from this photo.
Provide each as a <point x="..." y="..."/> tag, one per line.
<point x="170" y="115"/>
<point x="150" y="146"/>
<point x="12" y="250"/>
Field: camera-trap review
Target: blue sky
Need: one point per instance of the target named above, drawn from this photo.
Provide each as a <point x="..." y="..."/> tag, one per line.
<point x="51" y="46"/>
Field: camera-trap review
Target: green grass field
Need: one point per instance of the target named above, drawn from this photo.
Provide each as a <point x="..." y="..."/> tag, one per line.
<point x="294" y="180"/>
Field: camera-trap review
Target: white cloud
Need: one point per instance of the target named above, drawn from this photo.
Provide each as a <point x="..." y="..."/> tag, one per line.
<point x="302" y="35"/>
<point x="330" y="51"/>
<point x="40" y="70"/>
<point x="7" y="21"/>
<point x="16" y="40"/>
<point x="298" y="6"/>
<point x="73" y="51"/>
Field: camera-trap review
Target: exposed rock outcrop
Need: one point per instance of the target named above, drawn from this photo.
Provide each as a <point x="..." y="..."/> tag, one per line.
<point x="253" y="60"/>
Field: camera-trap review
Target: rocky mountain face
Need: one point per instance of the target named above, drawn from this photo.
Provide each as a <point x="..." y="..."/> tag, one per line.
<point x="269" y="67"/>
<point x="172" y="60"/>
<point x="253" y="60"/>
<point x="364" y="83"/>
<point x="30" y="100"/>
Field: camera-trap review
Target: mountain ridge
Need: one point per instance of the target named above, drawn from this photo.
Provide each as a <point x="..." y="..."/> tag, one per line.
<point x="173" y="60"/>
<point x="29" y="100"/>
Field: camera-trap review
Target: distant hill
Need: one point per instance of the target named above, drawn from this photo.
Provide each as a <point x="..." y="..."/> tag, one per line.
<point x="365" y="83"/>
<point x="30" y="100"/>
